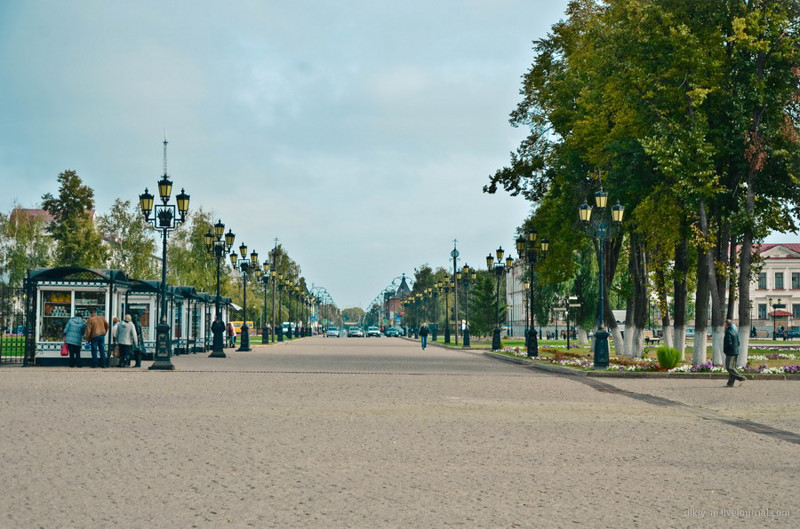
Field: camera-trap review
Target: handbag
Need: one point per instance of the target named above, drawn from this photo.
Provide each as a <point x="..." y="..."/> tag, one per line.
<point x="64" y="349"/>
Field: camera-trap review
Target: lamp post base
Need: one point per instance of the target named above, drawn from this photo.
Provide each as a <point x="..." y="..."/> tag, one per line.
<point x="466" y="338"/>
<point x="601" y="349"/>
<point x="496" y="339"/>
<point x="244" y="343"/>
<point x="447" y="334"/>
<point x="217" y="346"/>
<point x="533" y="344"/>
<point x="162" y="357"/>
<point x="279" y="332"/>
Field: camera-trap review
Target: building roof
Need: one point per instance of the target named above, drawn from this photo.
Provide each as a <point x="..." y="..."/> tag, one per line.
<point x="779" y="250"/>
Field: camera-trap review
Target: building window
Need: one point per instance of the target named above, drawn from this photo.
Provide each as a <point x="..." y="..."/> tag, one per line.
<point x="795" y="310"/>
<point x="762" y="311"/>
<point x="762" y="280"/>
<point x="796" y="280"/>
<point x="778" y="280"/>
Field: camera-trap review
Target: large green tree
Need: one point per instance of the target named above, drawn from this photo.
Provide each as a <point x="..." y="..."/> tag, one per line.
<point x="78" y="243"/>
<point x="131" y="245"/>
<point x="24" y="244"/>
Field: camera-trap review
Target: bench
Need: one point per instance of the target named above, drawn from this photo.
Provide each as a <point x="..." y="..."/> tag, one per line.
<point x="649" y="339"/>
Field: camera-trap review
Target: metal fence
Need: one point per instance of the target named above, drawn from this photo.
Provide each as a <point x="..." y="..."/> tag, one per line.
<point x="12" y="325"/>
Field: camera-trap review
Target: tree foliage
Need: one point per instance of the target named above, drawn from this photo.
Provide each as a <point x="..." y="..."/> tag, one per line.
<point x="78" y="243"/>
<point x="131" y="246"/>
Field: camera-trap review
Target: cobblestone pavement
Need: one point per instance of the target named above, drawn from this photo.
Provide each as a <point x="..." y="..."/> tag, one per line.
<point x="375" y="432"/>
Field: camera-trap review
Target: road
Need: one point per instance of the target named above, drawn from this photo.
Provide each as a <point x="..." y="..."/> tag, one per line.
<point x="375" y="432"/>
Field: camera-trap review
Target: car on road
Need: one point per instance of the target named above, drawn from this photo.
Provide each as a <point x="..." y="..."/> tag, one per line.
<point x="393" y="331"/>
<point x="355" y="332"/>
<point x="332" y="331"/>
<point x="374" y="331"/>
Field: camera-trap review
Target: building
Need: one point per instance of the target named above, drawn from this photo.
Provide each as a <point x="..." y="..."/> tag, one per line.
<point x="775" y="291"/>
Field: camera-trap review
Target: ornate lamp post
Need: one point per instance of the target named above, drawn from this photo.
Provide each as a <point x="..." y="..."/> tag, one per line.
<point x="469" y="275"/>
<point x="775" y="307"/>
<point x="165" y="221"/>
<point x="279" y="323"/>
<point x="499" y="268"/>
<point x="245" y="266"/>
<point x="601" y="228"/>
<point x="264" y="278"/>
<point x="530" y="249"/>
<point x="218" y="246"/>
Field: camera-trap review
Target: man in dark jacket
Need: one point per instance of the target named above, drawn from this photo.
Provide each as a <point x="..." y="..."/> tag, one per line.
<point x="423" y="335"/>
<point x="730" y="346"/>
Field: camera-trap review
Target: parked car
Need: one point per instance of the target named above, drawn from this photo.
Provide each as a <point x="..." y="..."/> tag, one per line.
<point x="332" y="331"/>
<point x="374" y="331"/>
<point x="355" y="332"/>
<point x="393" y="331"/>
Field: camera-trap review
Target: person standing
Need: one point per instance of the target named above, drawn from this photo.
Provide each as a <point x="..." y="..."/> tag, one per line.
<point x="95" y="334"/>
<point x="125" y="337"/>
<point x="730" y="346"/>
<point x="423" y="335"/>
<point x="73" y="335"/>
<point x="138" y="350"/>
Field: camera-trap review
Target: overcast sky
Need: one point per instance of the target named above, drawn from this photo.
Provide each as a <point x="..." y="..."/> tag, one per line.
<point x="358" y="132"/>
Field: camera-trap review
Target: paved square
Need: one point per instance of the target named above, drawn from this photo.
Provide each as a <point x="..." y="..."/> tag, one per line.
<point x="374" y="432"/>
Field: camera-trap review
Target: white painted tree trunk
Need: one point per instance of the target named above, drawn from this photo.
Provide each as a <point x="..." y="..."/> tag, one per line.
<point x="666" y="330"/>
<point x="700" y="345"/>
<point x="744" y="344"/>
<point x="636" y="337"/>
<point x="628" y="349"/>
<point x="718" y="337"/>
<point x="619" y="343"/>
<point x="680" y="341"/>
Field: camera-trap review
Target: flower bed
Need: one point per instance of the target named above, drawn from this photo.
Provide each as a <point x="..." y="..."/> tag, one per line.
<point x="644" y="365"/>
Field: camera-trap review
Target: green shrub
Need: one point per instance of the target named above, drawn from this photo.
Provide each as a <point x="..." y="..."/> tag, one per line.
<point x="668" y="357"/>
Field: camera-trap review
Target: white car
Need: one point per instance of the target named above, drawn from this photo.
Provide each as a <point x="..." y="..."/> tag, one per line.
<point x="332" y="331"/>
<point x="374" y="331"/>
<point x="355" y="332"/>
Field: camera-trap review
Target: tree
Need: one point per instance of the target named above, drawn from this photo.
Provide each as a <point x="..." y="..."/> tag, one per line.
<point x="483" y="309"/>
<point x="132" y="247"/>
<point x="24" y="244"/>
<point x="77" y="241"/>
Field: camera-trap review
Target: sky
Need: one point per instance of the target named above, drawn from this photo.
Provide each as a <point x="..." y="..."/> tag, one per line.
<point x="359" y="133"/>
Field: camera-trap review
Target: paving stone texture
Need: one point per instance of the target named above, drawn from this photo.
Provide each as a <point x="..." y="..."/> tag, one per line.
<point x="375" y="432"/>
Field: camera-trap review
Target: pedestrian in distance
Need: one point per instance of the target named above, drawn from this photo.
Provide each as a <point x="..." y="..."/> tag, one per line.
<point x="124" y="336"/>
<point x="231" y="335"/>
<point x="423" y="335"/>
<point x="138" y="349"/>
<point x="95" y="334"/>
<point x="73" y="337"/>
<point x="730" y="346"/>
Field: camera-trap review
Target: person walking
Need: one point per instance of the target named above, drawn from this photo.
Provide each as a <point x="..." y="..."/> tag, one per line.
<point x="423" y="335"/>
<point x="95" y="334"/>
<point x="73" y="337"/>
<point x="125" y="337"/>
<point x="231" y="335"/>
<point x="730" y="346"/>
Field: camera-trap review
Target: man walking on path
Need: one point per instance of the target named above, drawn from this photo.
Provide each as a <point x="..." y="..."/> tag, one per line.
<point x="730" y="346"/>
<point x="423" y="335"/>
<point x="95" y="334"/>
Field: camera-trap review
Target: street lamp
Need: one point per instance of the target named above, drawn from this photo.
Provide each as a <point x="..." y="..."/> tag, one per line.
<point x="264" y="277"/>
<point x="279" y="323"/>
<point x="601" y="229"/>
<point x="218" y="243"/>
<point x="775" y="307"/>
<point x="530" y="249"/>
<point x="165" y="221"/>
<point x="572" y="303"/>
<point x="469" y="275"/>
<point x="245" y="266"/>
<point x="499" y="267"/>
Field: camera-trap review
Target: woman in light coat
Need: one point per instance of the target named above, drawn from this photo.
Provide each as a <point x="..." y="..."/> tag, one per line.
<point x="125" y="337"/>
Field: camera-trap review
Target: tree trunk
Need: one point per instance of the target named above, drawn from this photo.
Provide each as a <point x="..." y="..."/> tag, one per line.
<point x="680" y="294"/>
<point x="700" y="309"/>
<point x="637" y="268"/>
